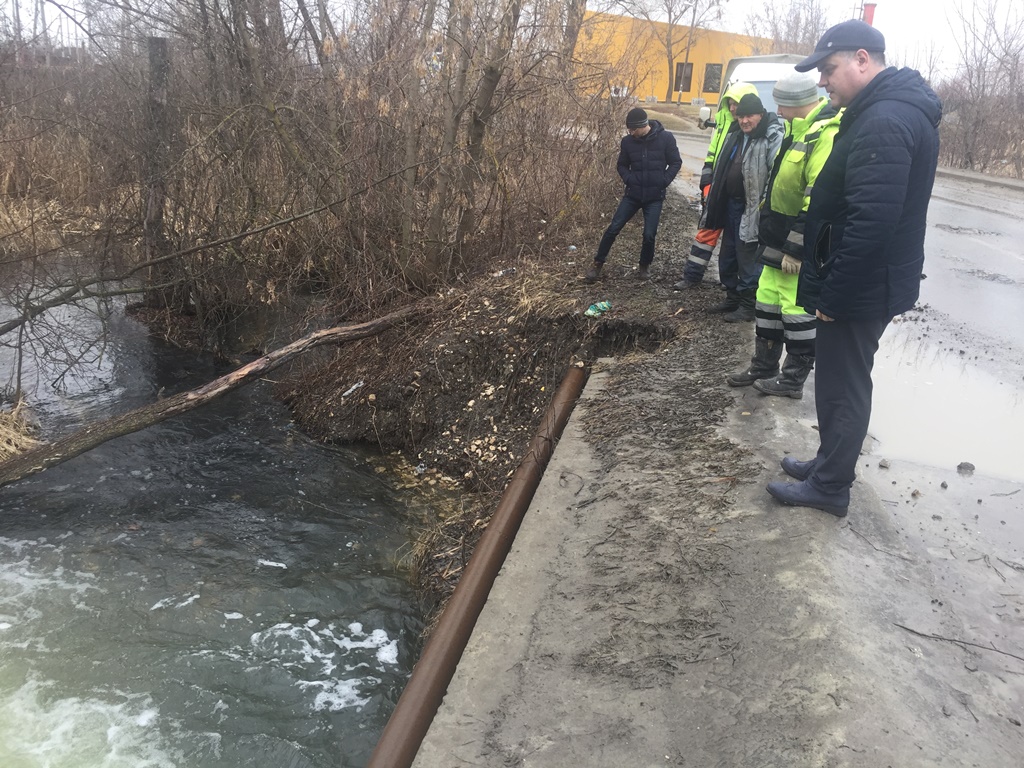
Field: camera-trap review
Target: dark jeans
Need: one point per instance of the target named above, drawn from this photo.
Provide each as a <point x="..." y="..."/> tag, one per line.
<point x="738" y="269"/>
<point x="842" y="394"/>
<point x="627" y="210"/>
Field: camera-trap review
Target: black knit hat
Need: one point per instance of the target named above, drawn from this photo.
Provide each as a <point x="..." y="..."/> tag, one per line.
<point x="750" y="104"/>
<point x="636" y="118"/>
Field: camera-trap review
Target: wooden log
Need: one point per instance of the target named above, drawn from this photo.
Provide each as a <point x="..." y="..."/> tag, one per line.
<point x="86" y="439"/>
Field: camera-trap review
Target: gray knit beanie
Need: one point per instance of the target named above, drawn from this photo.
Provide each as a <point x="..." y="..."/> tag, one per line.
<point x="796" y="90"/>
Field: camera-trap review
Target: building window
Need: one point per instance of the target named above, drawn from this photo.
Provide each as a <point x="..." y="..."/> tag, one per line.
<point x="712" y="78"/>
<point x="684" y="77"/>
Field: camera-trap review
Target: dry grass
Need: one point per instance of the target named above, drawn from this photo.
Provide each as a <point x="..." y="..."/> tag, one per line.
<point x="16" y="433"/>
<point x="681" y="118"/>
<point x="31" y="226"/>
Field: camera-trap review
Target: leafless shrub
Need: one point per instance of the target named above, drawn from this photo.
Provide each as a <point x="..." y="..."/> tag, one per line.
<point x="355" y="157"/>
<point x="983" y="122"/>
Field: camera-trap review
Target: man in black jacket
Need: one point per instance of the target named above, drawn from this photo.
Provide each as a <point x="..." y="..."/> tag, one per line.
<point x="863" y="244"/>
<point x="648" y="161"/>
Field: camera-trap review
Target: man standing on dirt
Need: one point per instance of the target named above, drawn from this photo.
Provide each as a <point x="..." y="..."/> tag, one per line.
<point x="648" y="161"/>
<point x="813" y="123"/>
<point x="863" y="244"/>
<point x="734" y="203"/>
<point x="706" y="240"/>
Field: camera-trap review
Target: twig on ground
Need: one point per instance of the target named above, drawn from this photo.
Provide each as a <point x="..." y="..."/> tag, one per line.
<point x="877" y="549"/>
<point x="989" y="564"/>
<point x="960" y="642"/>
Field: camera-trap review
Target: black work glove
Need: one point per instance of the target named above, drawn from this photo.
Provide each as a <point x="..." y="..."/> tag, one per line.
<point x="706" y="175"/>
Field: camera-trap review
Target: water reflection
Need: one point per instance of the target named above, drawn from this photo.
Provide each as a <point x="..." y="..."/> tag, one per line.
<point x="937" y="406"/>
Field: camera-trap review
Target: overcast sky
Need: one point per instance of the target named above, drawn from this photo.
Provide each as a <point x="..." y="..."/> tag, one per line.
<point x="909" y="26"/>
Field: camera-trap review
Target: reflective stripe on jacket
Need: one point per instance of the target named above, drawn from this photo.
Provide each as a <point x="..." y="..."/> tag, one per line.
<point x="803" y="153"/>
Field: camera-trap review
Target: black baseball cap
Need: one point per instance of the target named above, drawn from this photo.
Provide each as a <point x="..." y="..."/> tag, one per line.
<point x="852" y="35"/>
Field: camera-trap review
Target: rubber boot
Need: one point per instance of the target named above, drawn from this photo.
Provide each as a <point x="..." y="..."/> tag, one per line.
<point x="685" y="285"/>
<point x="594" y="273"/>
<point x="763" y="365"/>
<point x="791" y="383"/>
<point x="744" y="313"/>
<point x="730" y="304"/>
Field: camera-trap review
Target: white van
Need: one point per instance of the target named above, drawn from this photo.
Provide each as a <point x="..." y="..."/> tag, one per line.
<point x="762" y="72"/>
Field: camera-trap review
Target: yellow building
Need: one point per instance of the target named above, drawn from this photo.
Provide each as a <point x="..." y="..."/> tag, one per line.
<point x="633" y="54"/>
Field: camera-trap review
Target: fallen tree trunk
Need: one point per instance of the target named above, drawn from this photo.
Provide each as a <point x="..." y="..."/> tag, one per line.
<point x="88" y="438"/>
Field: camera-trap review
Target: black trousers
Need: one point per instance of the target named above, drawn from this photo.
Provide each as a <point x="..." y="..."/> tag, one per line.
<point x="842" y="394"/>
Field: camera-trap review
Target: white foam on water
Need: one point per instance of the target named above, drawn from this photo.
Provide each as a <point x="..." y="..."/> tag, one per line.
<point x="31" y="578"/>
<point x="388" y="653"/>
<point x="109" y="729"/>
<point x="335" y="695"/>
<point x="319" y="657"/>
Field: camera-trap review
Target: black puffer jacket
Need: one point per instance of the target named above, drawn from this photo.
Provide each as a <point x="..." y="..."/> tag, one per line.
<point x="864" y="238"/>
<point x="647" y="164"/>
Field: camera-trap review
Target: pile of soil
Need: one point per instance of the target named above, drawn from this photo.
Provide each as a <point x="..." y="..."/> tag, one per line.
<point x="458" y="395"/>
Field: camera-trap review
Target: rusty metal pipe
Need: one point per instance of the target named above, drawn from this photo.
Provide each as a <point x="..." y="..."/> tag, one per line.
<point x="428" y="684"/>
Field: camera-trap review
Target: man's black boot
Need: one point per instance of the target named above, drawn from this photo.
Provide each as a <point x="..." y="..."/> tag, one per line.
<point x="744" y="313"/>
<point x="801" y="470"/>
<point x="763" y="365"/>
<point x="594" y="272"/>
<point x="805" y="495"/>
<point x="791" y="383"/>
<point x="729" y="304"/>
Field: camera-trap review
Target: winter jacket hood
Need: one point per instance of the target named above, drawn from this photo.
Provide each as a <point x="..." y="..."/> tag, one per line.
<point x="900" y="85"/>
<point x="864" y="239"/>
<point x="724" y="122"/>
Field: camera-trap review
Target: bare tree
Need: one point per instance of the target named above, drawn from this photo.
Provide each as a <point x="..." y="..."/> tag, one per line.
<point x="355" y="156"/>
<point x="984" y="110"/>
<point x="793" y="26"/>
<point x="674" y="23"/>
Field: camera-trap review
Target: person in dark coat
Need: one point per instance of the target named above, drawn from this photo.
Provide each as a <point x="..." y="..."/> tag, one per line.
<point x="648" y="161"/>
<point x="863" y="244"/>
<point x="734" y="203"/>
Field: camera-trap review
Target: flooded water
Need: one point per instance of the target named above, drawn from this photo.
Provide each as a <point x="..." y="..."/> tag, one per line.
<point x="948" y="378"/>
<point x="216" y="590"/>
<point x="936" y="406"/>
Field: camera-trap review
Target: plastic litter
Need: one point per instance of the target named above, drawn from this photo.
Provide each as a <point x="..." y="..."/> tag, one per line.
<point x="594" y="310"/>
<point x="353" y="388"/>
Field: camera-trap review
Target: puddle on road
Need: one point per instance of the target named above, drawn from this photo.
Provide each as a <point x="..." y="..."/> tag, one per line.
<point x="931" y="406"/>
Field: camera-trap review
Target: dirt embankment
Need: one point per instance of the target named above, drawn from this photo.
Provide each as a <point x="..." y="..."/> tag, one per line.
<point x="459" y="394"/>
